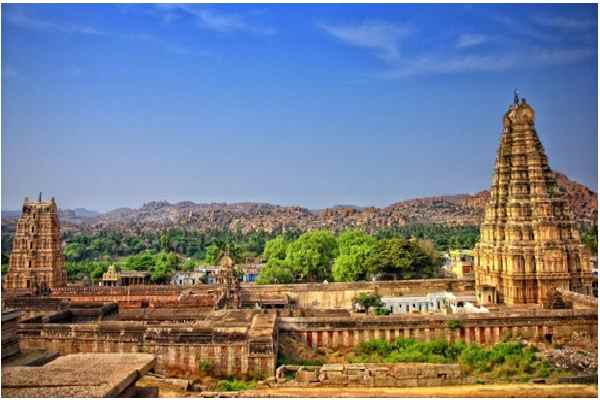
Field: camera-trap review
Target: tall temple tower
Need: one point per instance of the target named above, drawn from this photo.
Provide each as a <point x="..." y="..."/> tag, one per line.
<point x="529" y="241"/>
<point x="37" y="262"/>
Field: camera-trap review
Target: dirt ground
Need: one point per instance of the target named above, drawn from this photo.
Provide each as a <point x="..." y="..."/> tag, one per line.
<point x="510" y="390"/>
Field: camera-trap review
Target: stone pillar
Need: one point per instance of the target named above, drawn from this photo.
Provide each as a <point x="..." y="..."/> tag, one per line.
<point x="387" y="335"/>
<point x="406" y="333"/>
<point x="356" y="338"/>
<point x="487" y="335"/>
<point x="314" y="340"/>
<point x="230" y="360"/>
<point x="496" y="334"/>
<point x="325" y="339"/>
<point x="244" y="357"/>
<point x="346" y="335"/>
<point x="427" y="334"/>
<point x="477" y="337"/>
<point x="335" y="339"/>
<point x="468" y="335"/>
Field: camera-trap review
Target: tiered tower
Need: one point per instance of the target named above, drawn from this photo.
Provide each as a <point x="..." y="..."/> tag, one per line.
<point x="229" y="294"/>
<point x="37" y="262"/>
<point x="529" y="241"/>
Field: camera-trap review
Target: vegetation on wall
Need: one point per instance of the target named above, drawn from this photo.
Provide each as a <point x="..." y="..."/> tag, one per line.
<point x="505" y="361"/>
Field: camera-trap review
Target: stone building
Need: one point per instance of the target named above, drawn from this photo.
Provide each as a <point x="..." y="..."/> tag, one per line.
<point x="461" y="263"/>
<point x="529" y="240"/>
<point x="124" y="278"/>
<point x="37" y="262"/>
<point x="230" y="293"/>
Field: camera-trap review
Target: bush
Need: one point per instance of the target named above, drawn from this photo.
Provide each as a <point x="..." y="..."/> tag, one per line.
<point x="205" y="367"/>
<point x="234" y="385"/>
<point x="454" y="324"/>
<point x="382" y="311"/>
<point x="505" y="360"/>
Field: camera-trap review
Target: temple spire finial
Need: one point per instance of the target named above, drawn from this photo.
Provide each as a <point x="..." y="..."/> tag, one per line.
<point x="516" y="96"/>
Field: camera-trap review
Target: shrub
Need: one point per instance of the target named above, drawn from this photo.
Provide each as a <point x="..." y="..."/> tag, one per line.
<point x="382" y="311"/>
<point x="234" y="385"/>
<point x="206" y="367"/>
<point x="454" y="324"/>
<point x="504" y="361"/>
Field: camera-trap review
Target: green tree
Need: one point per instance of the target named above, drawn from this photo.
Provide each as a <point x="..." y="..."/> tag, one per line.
<point x="311" y="255"/>
<point x="212" y="254"/>
<point x="141" y="262"/>
<point x="368" y="301"/>
<point x="404" y="258"/>
<point x="189" y="265"/>
<point x="164" y="242"/>
<point x="75" y="252"/>
<point x="276" y="248"/>
<point x="275" y="271"/>
<point x="355" y="247"/>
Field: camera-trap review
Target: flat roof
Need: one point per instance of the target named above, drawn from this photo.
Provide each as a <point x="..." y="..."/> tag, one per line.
<point x="77" y="375"/>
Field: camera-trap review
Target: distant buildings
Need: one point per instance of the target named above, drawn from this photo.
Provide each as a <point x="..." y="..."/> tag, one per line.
<point x="432" y="303"/>
<point x="208" y="275"/>
<point x="199" y="276"/>
<point x="124" y="278"/>
<point x="461" y="263"/>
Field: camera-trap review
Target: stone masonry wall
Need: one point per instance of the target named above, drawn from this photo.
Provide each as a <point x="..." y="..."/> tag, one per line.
<point x="535" y="325"/>
<point x="179" y="349"/>
<point x="371" y="375"/>
<point x="310" y="295"/>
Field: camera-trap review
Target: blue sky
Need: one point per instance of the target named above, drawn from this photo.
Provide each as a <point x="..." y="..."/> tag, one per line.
<point x="107" y="106"/>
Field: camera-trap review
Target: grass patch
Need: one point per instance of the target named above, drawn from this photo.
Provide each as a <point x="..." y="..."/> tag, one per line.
<point x="505" y="361"/>
<point x="234" y="385"/>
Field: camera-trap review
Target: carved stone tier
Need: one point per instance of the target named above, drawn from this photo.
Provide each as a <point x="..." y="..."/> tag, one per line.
<point x="36" y="261"/>
<point x="529" y="241"/>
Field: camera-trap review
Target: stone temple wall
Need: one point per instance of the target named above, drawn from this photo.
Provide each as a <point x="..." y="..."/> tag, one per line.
<point x="234" y="351"/>
<point x="308" y="296"/>
<point x="534" y="325"/>
<point x="370" y="375"/>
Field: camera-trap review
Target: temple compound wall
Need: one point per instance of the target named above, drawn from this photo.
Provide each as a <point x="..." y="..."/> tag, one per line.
<point x="308" y="296"/>
<point x="246" y="349"/>
<point x="535" y="324"/>
<point x="370" y="375"/>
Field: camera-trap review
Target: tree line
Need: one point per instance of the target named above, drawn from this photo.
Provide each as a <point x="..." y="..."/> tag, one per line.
<point x="353" y="255"/>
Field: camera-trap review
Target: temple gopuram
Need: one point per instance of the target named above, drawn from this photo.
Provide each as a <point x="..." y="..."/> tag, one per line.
<point x="36" y="262"/>
<point x="529" y="241"/>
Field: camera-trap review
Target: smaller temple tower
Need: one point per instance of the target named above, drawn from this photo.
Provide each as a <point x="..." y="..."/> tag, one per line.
<point x="37" y="262"/>
<point x="229" y="292"/>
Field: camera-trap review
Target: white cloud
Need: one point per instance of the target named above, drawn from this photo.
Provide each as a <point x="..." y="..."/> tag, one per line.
<point x="146" y="37"/>
<point x="470" y="40"/>
<point x="18" y="18"/>
<point x="564" y="22"/>
<point x="384" y="37"/>
<point x="535" y="57"/>
<point x="211" y="19"/>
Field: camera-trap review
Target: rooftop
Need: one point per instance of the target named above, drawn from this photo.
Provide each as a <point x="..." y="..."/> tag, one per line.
<point x="77" y="375"/>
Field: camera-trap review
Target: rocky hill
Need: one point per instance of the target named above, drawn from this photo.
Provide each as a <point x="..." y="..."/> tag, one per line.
<point x="460" y="209"/>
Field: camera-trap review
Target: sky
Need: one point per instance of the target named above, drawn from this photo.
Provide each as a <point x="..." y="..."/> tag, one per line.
<point x="107" y="106"/>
